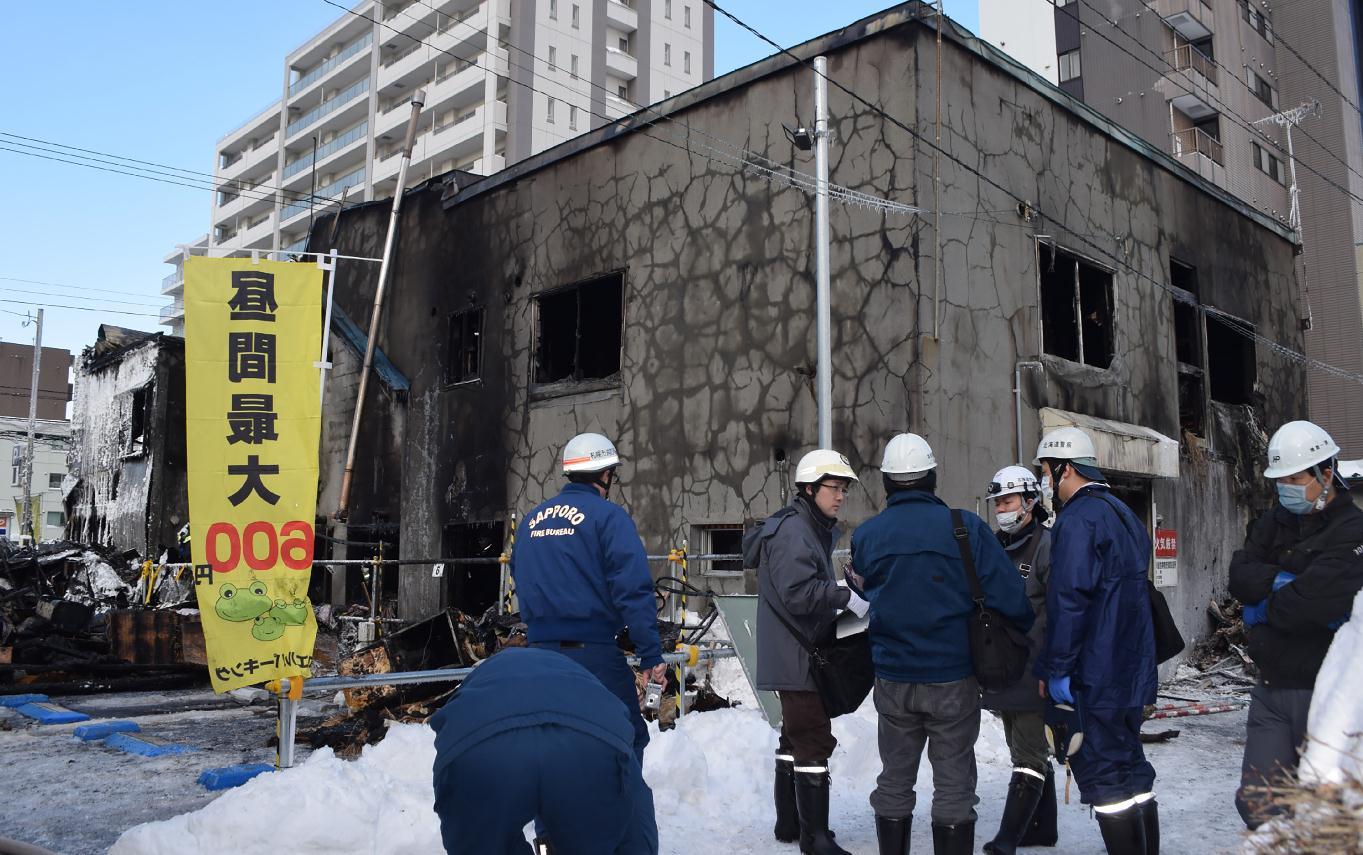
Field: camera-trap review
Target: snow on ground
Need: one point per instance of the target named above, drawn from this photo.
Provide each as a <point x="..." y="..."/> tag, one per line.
<point x="1335" y="750"/>
<point x="712" y="779"/>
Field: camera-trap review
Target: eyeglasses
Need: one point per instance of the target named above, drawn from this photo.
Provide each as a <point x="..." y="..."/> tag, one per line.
<point x="841" y="490"/>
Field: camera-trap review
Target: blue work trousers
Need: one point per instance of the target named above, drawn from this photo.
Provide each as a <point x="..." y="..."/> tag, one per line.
<point x="1110" y="765"/>
<point x="608" y="664"/>
<point x="587" y="796"/>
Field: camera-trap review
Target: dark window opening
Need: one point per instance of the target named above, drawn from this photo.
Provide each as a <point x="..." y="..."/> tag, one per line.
<point x="1230" y="361"/>
<point x="472" y="588"/>
<point x="580" y="331"/>
<point x="1076" y="309"/>
<point x="1135" y="493"/>
<point x="1192" y="407"/>
<point x="1060" y="331"/>
<point x="466" y="340"/>
<point x="1211" y="126"/>
<point x="139" y="416"/>
<point x="1204" y="47"/>
<point x="724" y="540"/>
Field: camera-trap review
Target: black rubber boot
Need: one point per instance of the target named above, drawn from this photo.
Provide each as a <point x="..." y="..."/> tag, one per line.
<point x="811" y="799"/>
<point x="1123" y="831"/>
<point x="1024" y="793"/>
<point x="542" y="846"/>
<point x="958" y="839"/>
<point x="787" y="816"/>
<point x="1150" y="818"/>
<point x="1043" y="831"/>
<point x="893" y="835"/>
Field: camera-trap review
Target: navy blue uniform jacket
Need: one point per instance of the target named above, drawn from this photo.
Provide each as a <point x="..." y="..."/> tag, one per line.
<point x="1098" y="624"/>
<point x="920" y="599"/>
<point x="526" y="687"/>
<point x="582" y="575"/>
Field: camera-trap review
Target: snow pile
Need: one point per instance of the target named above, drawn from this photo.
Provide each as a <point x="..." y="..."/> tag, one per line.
<point x="381" y="802"/>
<point x="1334" y="752"/>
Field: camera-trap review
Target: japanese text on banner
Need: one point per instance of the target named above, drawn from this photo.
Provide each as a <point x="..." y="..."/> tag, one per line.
<point x="252" y="338"/>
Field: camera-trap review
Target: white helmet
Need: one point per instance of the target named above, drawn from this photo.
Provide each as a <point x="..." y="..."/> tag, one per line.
<point x="1012" y="480"/>
<point x="1297" y="447"/>
<point x="823" y="463"/>
<point x="1067" y="443"/>
<point x="589" y="452"/>
<point x="907" y="457"/>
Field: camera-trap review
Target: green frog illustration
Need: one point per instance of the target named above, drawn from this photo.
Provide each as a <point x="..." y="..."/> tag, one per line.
<point x="242" y="604"/>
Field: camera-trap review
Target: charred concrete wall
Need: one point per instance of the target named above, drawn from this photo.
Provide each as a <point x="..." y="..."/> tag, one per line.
<point x="715" y="382"/>
<point x="128" y="447"/>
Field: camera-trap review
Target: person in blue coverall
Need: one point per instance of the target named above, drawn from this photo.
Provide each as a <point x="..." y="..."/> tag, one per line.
<point x="533" y="735"/>
<point x="908" y="562"/>
<point x="582" y="576"/>
<point x="1099" y="655"/>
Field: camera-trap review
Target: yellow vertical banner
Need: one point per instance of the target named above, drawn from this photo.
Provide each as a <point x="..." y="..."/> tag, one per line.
<point x="252" y="339"/>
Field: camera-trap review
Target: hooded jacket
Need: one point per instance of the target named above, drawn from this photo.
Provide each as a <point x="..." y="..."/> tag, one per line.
<point x="793" y="553"/>
<point x="1325" y="553"/>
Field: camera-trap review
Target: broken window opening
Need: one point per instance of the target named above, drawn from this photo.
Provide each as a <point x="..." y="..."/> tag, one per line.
<point x="1192" y="404"/>
<point x="1230" y="361"/>
<point x="721" y="539"/>
<point x="580" y="331"/>
<point x="139" y="417"/>
<point x="1076" y="309"/>
<point x="466" y="346"/>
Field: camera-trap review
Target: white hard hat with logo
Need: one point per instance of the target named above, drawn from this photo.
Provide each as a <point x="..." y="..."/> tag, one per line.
<point x="823" y="463"/>
<point x="1067" y="443"/>
<point x="589" y="452"/>
<point x="1297" y="447"/>
<point x="908" y="457"/>
<point x="1012" y="480"/>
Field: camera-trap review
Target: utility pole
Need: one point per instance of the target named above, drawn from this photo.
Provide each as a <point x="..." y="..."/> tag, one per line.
<point x="824" y="374"/>
<point x="1288" y="119"/>
<point x="32" y="429"/>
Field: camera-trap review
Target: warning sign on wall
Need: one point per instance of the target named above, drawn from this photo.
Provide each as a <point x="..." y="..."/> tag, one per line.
<point x="1166" y="558"/>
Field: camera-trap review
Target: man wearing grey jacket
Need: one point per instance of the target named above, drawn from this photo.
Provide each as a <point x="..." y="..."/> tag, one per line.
<point x="797" y="589"/>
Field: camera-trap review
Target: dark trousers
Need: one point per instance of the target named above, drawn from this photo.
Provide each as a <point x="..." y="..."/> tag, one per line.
<point x="1110" y="765"/>
<point x="806" y="729"/>
<point x="1274" y="735"/>
<point x="944" y="717"/>
<point x="608" y="665"/>
<point x="1026" y="735"/>
<point x="589" y="797"/>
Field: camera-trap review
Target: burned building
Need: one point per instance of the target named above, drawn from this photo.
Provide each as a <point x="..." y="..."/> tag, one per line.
<point x="128" y="442"/>
<point x="654" y="280"/>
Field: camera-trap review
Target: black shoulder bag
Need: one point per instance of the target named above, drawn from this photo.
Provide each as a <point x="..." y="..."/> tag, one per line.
<point x="1168" y="640"/>
<point x="999" y="651"/>
<point x="840" y="667"/>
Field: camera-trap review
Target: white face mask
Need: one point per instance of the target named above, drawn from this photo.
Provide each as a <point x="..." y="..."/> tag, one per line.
<point x="1046" y="489"/>
<point x="1010" y="521"/>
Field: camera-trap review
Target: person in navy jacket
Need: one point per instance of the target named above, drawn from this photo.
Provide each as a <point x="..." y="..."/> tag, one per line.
<point x="1099" y="655"/>
<point x="907" y="560"/>
<point x="582" y="576"/>
<point x="533" y="735"/>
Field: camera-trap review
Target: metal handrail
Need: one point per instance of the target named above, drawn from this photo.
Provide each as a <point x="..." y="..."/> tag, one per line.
<point x="327" y="107"/>
<point x="1185" y="56"/>
<point x="1197" y="140"/>
<point x="327" y="65"/>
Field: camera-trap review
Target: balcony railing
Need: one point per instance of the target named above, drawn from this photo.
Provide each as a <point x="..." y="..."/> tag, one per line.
<point x="329" y="106"/>
<point x="172" y="280"/>
<point x="323" y="193"/>
<point x="325" y="151"/>
<point x="317" y="73"/>
<point x="1199" y="141"/>
<point x="1185" y="57"/>
<point x="174" y="310"/>
<point x="299" y="245"/>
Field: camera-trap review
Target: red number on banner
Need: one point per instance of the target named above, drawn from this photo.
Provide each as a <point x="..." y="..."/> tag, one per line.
<point x="254" y="560"/>
<point x="233" y="548"/>
<point x="297" y="541"/>
<point x="295" y="549"/>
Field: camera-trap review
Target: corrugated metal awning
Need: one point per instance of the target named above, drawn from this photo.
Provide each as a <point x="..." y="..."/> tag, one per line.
<point x="1122" y="447"/>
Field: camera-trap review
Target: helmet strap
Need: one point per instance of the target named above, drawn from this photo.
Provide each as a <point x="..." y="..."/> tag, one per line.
<point x="1322" y="499"/>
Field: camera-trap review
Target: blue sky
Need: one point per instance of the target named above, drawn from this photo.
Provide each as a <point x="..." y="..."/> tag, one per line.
<point x="162" y="85"/>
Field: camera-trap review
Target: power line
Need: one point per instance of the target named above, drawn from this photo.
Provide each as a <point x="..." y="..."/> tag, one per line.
<point x="776" y="174"/>
<point x="1238" y="119"/>
<point x="60" y="285"/>
<point x="77" y="308"/>
<point x="26" y="292"/>
<point x="1179" y="296"/>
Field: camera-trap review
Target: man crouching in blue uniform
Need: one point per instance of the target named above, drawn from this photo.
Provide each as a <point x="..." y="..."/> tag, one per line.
<point x="532" y="735"/>
<point x="1099" y="656"/>
<point x="582" y="575"/>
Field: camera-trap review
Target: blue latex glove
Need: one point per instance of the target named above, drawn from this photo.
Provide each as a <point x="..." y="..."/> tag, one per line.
<point x="1283" y="579"/>
<point x="1059" y="689"/>
<point x="1255" y="613"/>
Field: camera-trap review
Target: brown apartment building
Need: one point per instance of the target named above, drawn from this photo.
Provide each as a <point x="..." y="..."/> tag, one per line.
<point x="1202" y="79"/>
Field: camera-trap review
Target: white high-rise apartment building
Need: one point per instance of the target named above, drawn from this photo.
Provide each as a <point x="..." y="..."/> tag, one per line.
<point x="503" y="79"/>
